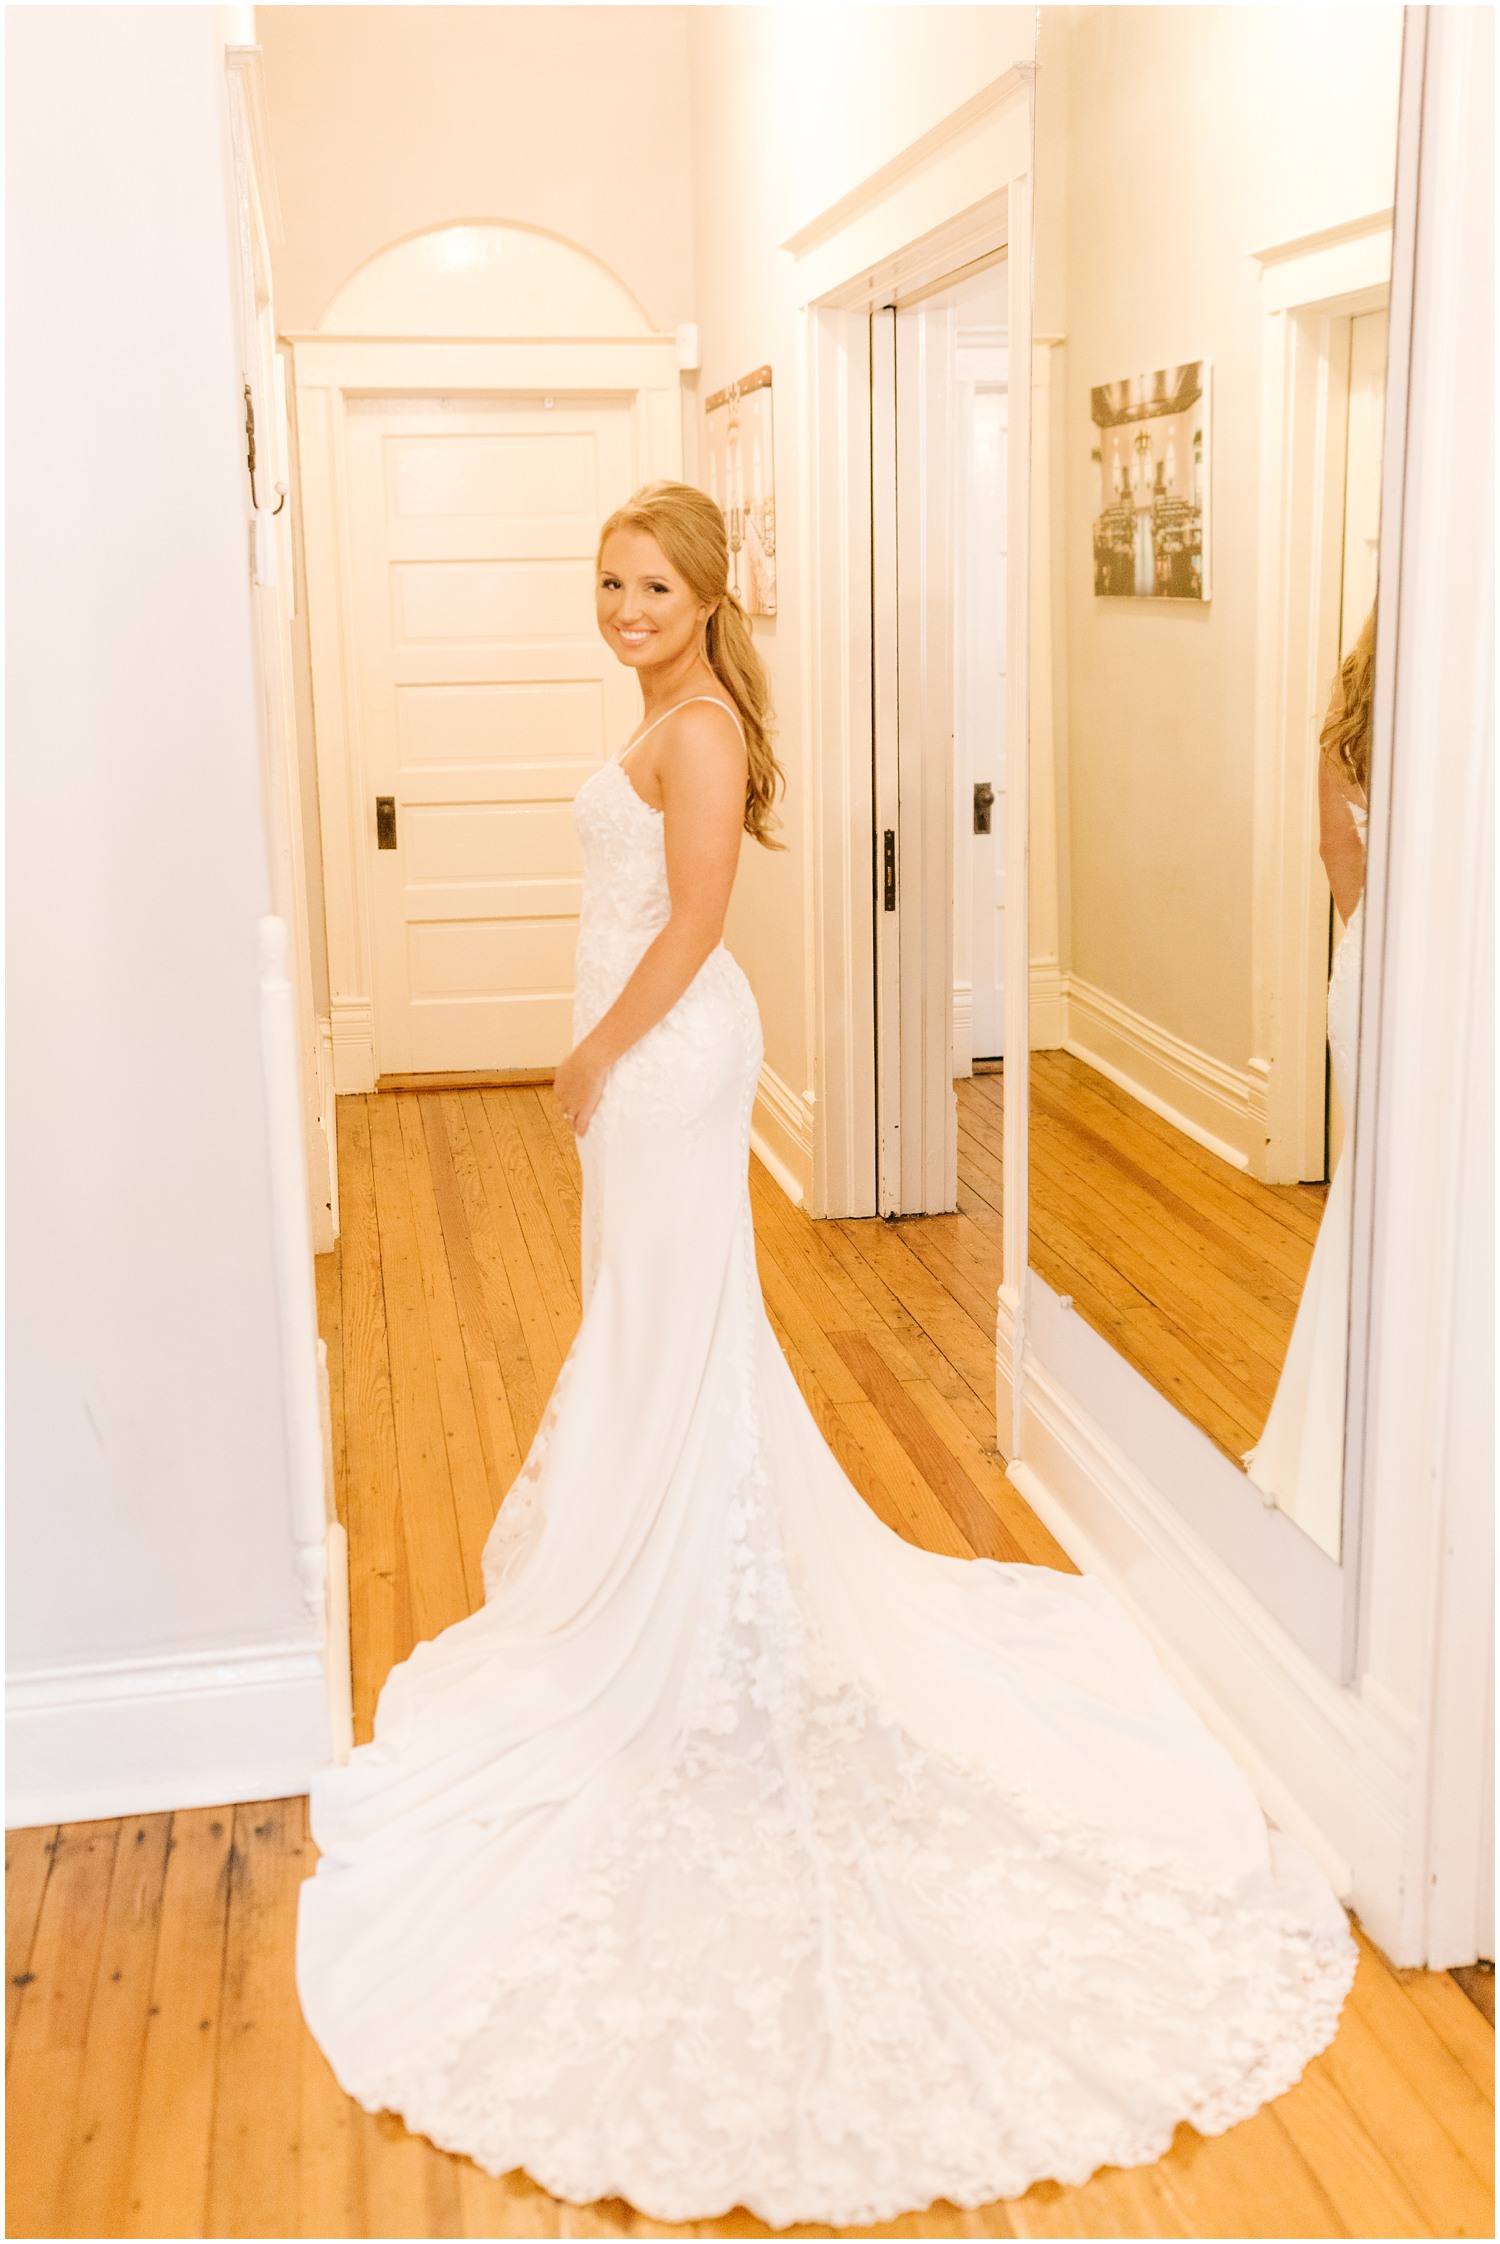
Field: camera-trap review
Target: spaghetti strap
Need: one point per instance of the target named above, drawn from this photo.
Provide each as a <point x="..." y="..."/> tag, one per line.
<point x="622" y="753"/>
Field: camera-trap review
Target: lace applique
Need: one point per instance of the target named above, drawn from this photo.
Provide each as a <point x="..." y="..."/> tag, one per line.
<point x="819" y="1971"/>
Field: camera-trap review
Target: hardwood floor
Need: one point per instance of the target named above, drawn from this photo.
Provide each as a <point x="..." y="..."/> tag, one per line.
<point x="1191" y="1268"/>
<point x="160" y="2080"/>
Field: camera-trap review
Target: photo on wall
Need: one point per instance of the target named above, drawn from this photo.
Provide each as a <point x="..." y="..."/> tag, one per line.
<point x="741" y="479"/>
<point x="1151" y="459"/>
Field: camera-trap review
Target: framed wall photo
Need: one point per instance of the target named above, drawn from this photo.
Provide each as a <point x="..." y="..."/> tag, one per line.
<point x="1151" y="462"/>
<point x="741" y="479"/>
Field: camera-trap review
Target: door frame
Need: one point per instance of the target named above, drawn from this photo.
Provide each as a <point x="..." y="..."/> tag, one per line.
<point x="959" y="196"/>
<point x="1307" y="288"/>
<point x="329" y="372"/>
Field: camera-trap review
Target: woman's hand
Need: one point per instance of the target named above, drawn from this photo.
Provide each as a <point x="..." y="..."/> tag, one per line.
<point x="577" y="1083"/>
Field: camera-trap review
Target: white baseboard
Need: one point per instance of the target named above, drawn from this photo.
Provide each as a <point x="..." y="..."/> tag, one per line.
<point x="781" y="1133"/>
<point x="178" y="1730"/>
<point x="352" y="1030"/>
<point x="1048" y="1006"/>
<point x="1205" y="1098"/>
<point x="963" y="1028"/>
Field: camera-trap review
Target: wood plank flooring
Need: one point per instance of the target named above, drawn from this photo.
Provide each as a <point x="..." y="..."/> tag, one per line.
<point x="1191" y="1268"/>
<point x="160" y="2080"/>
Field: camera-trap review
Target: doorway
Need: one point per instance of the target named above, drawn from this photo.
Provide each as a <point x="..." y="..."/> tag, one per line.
<point x="485" y="698"/>
<point x="476" y="401"/>
<point x="939" y="428"/>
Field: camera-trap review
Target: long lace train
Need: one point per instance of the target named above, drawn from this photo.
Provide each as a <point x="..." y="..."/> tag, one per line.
<point x="735" y="1851"/>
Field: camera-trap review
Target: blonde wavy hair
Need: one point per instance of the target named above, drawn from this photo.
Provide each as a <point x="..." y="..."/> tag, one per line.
<point x="1345" y="738"/>
<point x="689" y="528"/>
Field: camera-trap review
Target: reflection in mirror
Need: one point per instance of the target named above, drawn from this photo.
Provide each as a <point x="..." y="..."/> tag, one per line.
<point x="1213" y="225"/>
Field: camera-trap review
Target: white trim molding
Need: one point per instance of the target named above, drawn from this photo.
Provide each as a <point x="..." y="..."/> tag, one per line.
<point x="303" y="1377"/>
<point x="963" y="1027"/>
<point x="1207" y="1099"/>
<point x="351" y="1045"/>
<point x="955" y="197"/>
<point x="949" y="145"/>
<point x="782" y="1134"/>
<point x="1308" y="287"/>
<point x="175" y="1730"/>
<point x="324" y="1181"/>
<point x="1049" y="1004"/>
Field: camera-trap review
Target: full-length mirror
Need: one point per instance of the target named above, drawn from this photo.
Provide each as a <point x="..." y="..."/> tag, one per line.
<point x="1213" y="229"/>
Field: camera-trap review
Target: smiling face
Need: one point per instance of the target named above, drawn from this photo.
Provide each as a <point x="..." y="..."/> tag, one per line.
<point x="647" y="611"/>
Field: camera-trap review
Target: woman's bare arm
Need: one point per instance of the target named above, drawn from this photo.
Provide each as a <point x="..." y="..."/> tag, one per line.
<point x="1339" y="844"/>
<point x="700" y="769"/>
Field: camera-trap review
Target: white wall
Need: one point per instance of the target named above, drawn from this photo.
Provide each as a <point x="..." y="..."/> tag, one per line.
<point x="388" y="121"/>
<point x="1187" y="140"/>
<point x="792" y="109"/>
<point x="148" y="1478"/>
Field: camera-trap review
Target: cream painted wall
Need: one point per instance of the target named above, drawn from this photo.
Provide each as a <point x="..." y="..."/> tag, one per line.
<point x="1193" y="138"/>
<point x="387" y="121"/>
<point x="148" y="1473"/>
<point x="792" y="108"/>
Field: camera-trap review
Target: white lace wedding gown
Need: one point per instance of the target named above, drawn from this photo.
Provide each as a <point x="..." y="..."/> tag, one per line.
<point x="735" y="1851"/>
<point x="1299" y="1460"/>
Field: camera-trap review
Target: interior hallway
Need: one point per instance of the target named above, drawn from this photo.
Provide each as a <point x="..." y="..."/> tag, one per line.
<point x="160" y="2080"/>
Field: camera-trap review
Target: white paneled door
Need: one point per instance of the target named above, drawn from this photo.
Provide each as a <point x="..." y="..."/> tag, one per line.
<point x="484" y="696"/>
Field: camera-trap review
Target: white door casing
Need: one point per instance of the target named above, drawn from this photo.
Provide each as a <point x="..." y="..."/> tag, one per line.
<point x="952" y="199"/>
<point x="912" y="583"/>
<point x="979" y="697"/>
<point x="1367" y="335"/>
<point x="304" y="1184"/>
<point x="1311" y="291"/>
<point x="939" y="615"/>
<point x="630" y="385"/>
<point x="486" y="697"/>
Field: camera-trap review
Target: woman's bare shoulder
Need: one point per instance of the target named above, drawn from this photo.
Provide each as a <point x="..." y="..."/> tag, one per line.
<point x="701" y="736"/>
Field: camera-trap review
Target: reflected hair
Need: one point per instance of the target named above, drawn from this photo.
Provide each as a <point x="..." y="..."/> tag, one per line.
<point x="1345" y="738"/>
<point x="689" y="528"/>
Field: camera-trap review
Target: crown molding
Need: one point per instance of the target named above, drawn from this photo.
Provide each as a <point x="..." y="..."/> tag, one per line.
<point x="999" y="94"/>
<point x="1327" y="237"/>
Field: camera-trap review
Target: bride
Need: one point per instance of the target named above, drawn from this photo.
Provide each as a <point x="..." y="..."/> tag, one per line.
<point x="735" y="1851"/>
<point x="1298" y="1462"/>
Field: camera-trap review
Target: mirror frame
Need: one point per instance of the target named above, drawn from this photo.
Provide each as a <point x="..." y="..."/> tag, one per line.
<point x="1128" y="1434"/>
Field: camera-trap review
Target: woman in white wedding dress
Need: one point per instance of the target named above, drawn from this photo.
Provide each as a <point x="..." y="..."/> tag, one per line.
<point x="1298" y="1463"/>
<point x="735" y="1851"/>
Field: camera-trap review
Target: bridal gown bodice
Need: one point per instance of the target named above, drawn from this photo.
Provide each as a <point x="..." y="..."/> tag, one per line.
<point x="736" y="1850"/>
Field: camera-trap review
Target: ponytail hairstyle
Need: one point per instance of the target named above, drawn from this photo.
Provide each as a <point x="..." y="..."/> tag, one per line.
<point x="689" y="528"/>
<point x="1345" y="738"/>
